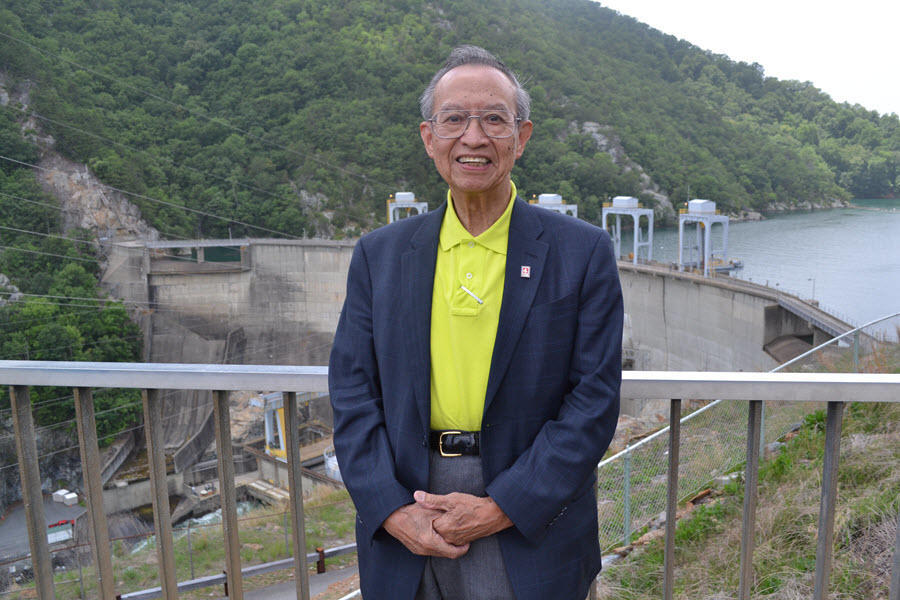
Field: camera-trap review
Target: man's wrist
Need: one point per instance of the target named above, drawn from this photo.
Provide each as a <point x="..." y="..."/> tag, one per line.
<point x="499" y="519"/>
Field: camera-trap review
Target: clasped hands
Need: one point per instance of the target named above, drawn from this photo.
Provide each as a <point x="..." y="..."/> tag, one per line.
<point x="444" y="524"/>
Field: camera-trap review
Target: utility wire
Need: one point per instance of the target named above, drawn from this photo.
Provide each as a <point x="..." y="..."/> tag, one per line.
<point x="64" y="209"/>
<point x="111" y="435"/>
<point x="163" y="202"/>
<point x="50" y="235"/>
<point x="94" y="260"/>
<point x="170" y="161"/>
<point x="21" y="199"/>
<point x="157" y="307"/>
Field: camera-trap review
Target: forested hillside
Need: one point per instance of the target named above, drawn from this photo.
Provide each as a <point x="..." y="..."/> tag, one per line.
<point x="300" y="116"/>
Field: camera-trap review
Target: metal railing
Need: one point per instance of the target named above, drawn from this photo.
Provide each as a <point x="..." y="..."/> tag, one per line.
<point x="632" y="483"/>
<point x="754" y="388"/>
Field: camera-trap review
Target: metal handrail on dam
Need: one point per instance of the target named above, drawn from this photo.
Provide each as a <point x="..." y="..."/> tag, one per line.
<point x="834" y="388"/>
<point x="628" y="506"/>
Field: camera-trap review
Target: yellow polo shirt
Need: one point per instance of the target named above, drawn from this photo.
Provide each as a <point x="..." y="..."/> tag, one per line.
<point x="465" y="311"/>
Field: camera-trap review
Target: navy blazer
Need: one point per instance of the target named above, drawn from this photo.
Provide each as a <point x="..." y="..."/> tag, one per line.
<point x="550" y="410"/>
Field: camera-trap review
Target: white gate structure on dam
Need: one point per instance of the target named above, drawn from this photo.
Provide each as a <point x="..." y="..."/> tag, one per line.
<point x="750" y="390"/>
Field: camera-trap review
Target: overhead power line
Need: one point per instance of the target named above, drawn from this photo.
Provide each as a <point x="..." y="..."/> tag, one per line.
<point x="50" y="235"/>
<point x="169" y="160"/>
<point x="15" y="249"/>
<point x="163" y="202"/>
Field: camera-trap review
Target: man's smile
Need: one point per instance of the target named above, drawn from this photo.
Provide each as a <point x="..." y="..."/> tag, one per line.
<point x="473" y="160"/>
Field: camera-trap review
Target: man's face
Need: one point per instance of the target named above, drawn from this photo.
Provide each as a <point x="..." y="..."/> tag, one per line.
<point x="475" y="164"/>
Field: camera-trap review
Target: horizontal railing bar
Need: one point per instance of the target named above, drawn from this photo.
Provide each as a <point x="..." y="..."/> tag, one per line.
<point x="165" y="376"/>
<point x="697" y="385"/>
<point x="784" y="387"/>
<point x="219" y="578"/>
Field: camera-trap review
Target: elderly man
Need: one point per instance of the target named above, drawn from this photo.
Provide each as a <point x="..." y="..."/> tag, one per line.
<point x="475" y="370"/>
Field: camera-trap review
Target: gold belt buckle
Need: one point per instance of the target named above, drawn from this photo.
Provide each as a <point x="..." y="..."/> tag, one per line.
<point x="441" y="444"/>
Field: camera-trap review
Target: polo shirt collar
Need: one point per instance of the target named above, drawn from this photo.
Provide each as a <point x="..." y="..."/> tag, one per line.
<point x="495" y="238"/>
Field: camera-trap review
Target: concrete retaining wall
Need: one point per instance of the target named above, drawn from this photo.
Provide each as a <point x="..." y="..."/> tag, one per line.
<point x="137" y="493"/>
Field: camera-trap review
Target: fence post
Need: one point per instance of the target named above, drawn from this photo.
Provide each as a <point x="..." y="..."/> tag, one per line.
<point x="292" y="447"/>
<point x="320" y="564"/>
<point x="895" y="570"/>
<point x="825" y="542"/>
<point x="32" y="496"/>
<point x="159" y="491"/>
<point x="751" y="478"/>
<point x="287" y="542"/>
<point x="93" y="487"/>
<point x="856" y="351"/>
<point x="627" y="477"/>
<point x="190" y="549"/>
<point x="762" y="424"/>
<point x="671" y="499"/>
<point x="227" y="494"/>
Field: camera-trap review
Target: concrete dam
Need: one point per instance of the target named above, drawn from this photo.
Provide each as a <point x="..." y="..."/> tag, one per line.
<point x="269" y="301"/>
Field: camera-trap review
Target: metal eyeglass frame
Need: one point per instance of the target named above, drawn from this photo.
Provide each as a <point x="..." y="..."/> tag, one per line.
<point x="469" y="117"/>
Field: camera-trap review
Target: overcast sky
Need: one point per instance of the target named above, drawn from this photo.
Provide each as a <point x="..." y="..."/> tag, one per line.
<point x="849" y="50"/>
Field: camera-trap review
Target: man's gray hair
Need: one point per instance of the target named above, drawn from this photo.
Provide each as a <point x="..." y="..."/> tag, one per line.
<point x="474" y="55"/>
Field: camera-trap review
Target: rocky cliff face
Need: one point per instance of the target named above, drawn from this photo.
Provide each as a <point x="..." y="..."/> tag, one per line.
<point x="88" y="204"/>
<point x="85" y="201"/>
<point x="608" y="141"/>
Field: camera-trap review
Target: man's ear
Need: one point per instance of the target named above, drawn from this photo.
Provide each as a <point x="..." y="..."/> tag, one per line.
<point x="522" y="136"/>
<point x="427" y="137"/>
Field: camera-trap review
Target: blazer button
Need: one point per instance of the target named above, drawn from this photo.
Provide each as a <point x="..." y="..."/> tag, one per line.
<point x="425" y="441"/>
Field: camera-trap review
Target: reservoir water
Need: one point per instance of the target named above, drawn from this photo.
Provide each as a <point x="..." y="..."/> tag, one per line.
<point x="846" y="258"/>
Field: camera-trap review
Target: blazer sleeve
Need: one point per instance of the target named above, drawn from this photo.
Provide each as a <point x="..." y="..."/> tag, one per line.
<point x="558" y="467"/>
<point x="360" y="439"/>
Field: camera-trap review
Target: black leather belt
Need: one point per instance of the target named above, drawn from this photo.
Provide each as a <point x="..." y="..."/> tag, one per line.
<point x="452" y="442"/>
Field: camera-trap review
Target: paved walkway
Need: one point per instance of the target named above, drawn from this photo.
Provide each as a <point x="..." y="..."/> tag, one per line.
<point x="318" y="583"/>
<point x="14" y="532"/>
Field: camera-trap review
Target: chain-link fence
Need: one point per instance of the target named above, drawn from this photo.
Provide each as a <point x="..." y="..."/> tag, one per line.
<point x="632" y="483"/>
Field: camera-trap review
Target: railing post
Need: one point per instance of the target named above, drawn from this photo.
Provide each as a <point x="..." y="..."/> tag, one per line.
<point x="93" y="487"/>
<point x="751" y="479"/>
<point x="32" y="496"/>
<point x="825" y="542"/>
<point x="159" y="489"/>
<point x="228" y="495"/>
<point x="627" y="507"/>
<point x="672" y="499"/>
<point x="190" y="550"/>
<point x="895" y="570"/>
<point x="295" y="482"/>
<point x="320" y="563"/>
<point x="762" y="424"/>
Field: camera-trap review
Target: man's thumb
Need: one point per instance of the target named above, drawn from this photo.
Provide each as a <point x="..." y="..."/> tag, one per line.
<point x="427" y="500"/>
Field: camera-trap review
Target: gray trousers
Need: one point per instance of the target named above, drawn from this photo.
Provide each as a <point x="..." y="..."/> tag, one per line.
<point x="479" y="574"/>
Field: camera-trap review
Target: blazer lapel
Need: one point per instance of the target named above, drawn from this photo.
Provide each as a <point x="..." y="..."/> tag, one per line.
<point x="417" y="274"/>
<point x="524" y="250"/>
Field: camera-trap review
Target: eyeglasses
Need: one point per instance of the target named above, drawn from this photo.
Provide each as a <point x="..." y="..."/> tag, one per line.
<point x="452" y="124"/>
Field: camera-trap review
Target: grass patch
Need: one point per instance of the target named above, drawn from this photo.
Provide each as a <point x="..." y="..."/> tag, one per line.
<point x="707" y="558"/>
